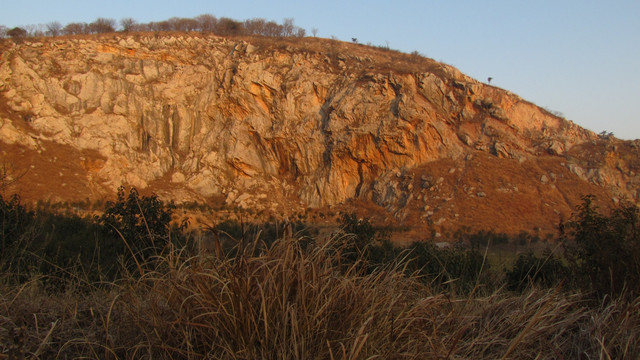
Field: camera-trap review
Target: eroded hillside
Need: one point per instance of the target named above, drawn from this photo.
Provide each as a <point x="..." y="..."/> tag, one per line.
<point x="280" y="126"/>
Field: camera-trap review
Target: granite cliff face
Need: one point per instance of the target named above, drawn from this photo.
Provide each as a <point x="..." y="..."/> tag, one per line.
<point x="285" y="125"/>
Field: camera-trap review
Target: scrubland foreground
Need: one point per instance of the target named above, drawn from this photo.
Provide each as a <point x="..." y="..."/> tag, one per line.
<point x="302" y="297"/>
<point x="285" y="302"/>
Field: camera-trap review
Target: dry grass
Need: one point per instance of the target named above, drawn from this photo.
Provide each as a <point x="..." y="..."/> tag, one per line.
<point x="286" y="301"/>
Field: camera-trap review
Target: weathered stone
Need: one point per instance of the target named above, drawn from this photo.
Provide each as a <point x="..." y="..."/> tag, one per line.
<point x="220" y="118"/>
<point x="466" y="139"/>
<point x="556" y="148"/>
<point x="502" y="150"/>
<point x="177" y="177"/>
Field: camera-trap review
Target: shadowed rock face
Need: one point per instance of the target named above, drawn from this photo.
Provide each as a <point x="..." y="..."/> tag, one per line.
<point x="283" y="126"/>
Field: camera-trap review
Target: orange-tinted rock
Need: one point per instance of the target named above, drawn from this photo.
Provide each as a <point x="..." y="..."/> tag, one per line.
<point x="198" y="118"/>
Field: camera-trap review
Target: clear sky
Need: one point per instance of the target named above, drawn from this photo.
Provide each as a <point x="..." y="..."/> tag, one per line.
<point x="579" y="57"/>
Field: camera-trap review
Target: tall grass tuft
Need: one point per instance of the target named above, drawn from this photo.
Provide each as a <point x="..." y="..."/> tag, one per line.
<point x="284" y="301"/>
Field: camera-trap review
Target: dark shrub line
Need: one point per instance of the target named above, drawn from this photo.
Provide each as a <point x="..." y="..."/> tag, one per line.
<point x="599" y="254"/>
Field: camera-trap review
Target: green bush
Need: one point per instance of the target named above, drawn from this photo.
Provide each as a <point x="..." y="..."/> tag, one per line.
<point x="14" y="221"/>
<point x="482" y="238"/>
<point x="59" y="247"/>
<point x="455" y="268"/>
<point x="233" y="234"/>
<point x="143" y="222"/>
<point x="72" y="245"/>
<point x="603" y="251"/>
<point x="529" y="269"/>
<point x="366" y="242"/>
<point x="62" y="247"/>
<point x="18" y="231"/>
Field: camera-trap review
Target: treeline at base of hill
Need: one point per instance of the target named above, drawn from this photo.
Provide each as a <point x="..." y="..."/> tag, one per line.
<point x="596" y="253"/>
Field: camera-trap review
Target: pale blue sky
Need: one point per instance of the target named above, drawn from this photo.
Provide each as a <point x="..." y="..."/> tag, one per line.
<point x="579" y="57"/>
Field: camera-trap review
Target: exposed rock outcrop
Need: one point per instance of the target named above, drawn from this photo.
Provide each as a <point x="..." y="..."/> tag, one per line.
<point x="281" y="126"/>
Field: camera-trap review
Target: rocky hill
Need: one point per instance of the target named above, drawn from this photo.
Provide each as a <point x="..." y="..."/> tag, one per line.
<point x="285" y="125"/>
